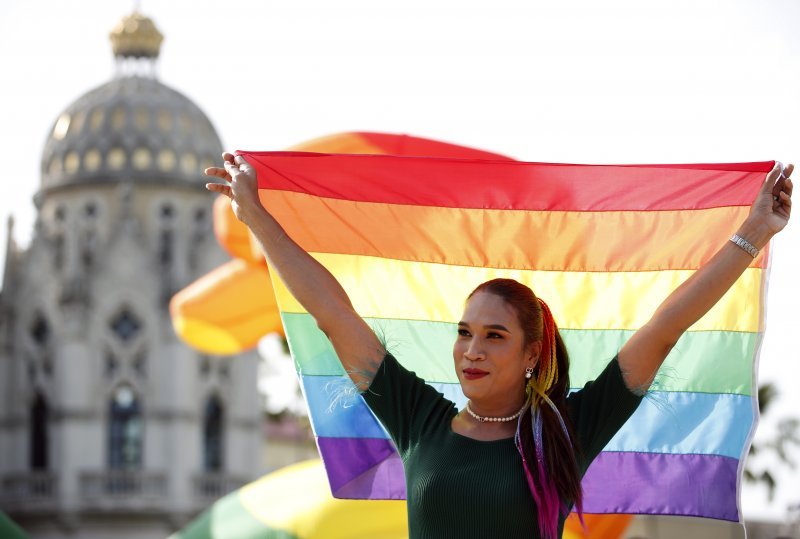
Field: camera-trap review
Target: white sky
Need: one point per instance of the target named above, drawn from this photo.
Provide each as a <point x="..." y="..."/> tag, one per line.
<point x="568" y="81"/>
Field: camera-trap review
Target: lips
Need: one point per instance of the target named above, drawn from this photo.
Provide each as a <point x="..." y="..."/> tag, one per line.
<point x="474" y="374"/>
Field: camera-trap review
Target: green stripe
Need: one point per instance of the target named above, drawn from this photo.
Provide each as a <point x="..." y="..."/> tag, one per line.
<point x="229" y="518"/>
<point x="702" y="361"/>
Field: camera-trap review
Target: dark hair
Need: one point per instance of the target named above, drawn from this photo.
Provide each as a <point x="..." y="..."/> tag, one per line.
<point x="555" y="484"/>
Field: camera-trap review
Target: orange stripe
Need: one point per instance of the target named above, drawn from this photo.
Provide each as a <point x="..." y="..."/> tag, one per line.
<point x="576" y="241"/>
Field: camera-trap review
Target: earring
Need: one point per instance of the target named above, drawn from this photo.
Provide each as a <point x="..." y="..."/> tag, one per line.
<point x="528" y="372"/>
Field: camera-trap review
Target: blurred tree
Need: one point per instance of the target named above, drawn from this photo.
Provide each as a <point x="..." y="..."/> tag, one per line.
<point x="780" y="445"/>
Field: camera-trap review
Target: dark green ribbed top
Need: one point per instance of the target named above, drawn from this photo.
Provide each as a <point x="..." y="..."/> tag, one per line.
<point x="461" y="488"/>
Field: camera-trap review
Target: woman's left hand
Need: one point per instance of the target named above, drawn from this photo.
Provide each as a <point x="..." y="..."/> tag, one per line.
<point x="773" y="206"/>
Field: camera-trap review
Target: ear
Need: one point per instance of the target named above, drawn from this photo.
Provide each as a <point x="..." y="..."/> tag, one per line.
<point x="534" y="353"/>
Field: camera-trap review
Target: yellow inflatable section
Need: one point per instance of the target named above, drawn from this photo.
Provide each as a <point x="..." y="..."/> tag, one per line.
<point x="295" y="503"/>
<point x="297" y="499"/>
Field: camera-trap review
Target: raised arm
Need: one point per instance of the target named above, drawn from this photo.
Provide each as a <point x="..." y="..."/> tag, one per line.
<point x="359" y="350"/>
<point x="643" y="354"/>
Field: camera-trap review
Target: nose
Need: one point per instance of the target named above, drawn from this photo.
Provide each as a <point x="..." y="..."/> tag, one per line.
<point x="474" y="351"/>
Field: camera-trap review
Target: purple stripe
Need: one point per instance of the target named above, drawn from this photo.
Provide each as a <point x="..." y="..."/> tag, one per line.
<point x="663" y="484"/>
<point x="617" y="482"/>
<point x="363" y="468"/>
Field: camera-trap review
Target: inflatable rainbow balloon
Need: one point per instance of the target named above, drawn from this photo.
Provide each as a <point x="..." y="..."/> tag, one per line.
<point x="410" y="237"/>
<point x="295" y="503"/>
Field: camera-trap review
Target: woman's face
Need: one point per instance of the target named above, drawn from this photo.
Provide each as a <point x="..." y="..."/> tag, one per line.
<point x="489" y="354"/>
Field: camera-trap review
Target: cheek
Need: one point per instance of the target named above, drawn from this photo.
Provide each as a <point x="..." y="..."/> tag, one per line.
<point x="458" y="349"/>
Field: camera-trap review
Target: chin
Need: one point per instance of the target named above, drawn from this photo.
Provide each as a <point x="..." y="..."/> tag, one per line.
<point x="470" y="391"/>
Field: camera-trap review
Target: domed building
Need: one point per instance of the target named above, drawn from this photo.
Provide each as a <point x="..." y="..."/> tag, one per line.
<point x="110" y="426"/>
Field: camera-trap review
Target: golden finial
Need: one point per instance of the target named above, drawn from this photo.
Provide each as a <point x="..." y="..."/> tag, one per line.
<point x="136" y="36"/>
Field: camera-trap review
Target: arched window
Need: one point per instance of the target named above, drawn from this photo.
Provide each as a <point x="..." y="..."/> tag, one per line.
<point x="38" y="428"/>
<point x="125" y="430"/>
<point x="213" y="435"/>
<point x="165" y="246"/>
<point x="88" y="248"/>
<point x="40" y="330"/>
<point x="166" y="237"/>
<point x="58" y="251"/>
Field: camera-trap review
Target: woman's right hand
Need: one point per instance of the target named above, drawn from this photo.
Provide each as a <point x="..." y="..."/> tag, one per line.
<point x="241" y="187"/>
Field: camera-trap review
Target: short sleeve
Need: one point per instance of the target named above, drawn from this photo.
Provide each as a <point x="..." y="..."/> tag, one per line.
<point x="404" y="404"/>
<point x="599" y="410"/>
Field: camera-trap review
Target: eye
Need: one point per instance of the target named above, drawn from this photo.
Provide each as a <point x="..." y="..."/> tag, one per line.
<point x="463" y="332"/>
<point x="493" y="335"/>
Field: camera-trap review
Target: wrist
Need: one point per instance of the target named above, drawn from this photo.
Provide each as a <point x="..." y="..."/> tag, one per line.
<point x="758" y="234"/>
<point x="251" y="213"/>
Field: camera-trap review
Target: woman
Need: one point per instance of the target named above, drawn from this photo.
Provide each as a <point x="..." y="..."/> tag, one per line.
<point x="510" y="463"/>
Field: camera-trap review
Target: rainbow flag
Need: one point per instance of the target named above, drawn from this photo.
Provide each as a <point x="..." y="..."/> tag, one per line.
<point x="410" y="237"/>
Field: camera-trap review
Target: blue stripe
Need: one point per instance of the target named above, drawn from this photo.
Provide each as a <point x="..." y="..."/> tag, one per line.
<point x="336" y="410"/>
<point x="665" y="422"/>
<point x="687" y="423"/>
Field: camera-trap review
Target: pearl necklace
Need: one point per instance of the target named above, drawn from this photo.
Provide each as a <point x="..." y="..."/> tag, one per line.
<point x="483" y="419"/>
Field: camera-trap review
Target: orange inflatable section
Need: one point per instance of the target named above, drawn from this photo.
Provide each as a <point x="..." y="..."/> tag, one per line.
<point x="227" y="310"/>
<point x="233" y="235"/>
<point x="597" y="526"/>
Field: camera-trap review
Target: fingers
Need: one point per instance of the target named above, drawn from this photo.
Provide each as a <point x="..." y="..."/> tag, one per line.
<point x="788" y="185"/>
<point x="782" y="184"/>
<point x="219" y="188"/>
<point x="231" y="168"/>
<point x="782" y="192"/>
<point x="777" y="181"/>
<point x="783" y="197"/>
<point x="242" y="163"/>
<point x="772" y="177"/>
<point x="217" y="172"/>
<point x="770" y="182"/>
<point x="232" y="165"/>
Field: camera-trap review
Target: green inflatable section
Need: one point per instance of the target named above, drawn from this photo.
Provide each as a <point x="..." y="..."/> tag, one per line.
<point x="229" y="519"/>
<point x="9" y="528"/>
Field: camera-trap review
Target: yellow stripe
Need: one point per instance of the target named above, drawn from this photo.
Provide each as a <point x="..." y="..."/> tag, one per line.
<point x="384" y="288"/>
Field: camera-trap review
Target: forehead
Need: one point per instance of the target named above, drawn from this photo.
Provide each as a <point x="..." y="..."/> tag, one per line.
<point x="484" y="308"/>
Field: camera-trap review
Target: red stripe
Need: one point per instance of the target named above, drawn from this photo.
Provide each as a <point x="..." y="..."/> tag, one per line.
<point x="495" y="184"/>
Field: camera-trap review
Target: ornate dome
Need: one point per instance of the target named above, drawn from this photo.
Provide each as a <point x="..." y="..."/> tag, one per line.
<point x="131" y="128"/>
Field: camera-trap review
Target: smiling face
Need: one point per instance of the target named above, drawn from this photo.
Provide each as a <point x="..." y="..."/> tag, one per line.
<point x="490" y="355"/>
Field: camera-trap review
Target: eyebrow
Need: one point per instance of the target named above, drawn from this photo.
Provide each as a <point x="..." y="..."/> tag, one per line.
<point x="488" y="326"/>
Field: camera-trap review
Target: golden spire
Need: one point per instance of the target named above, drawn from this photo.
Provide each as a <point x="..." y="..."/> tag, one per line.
<point x="136" y="36"/>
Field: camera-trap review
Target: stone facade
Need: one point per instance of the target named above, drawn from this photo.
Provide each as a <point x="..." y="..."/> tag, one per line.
<point x="110" y="426"/>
